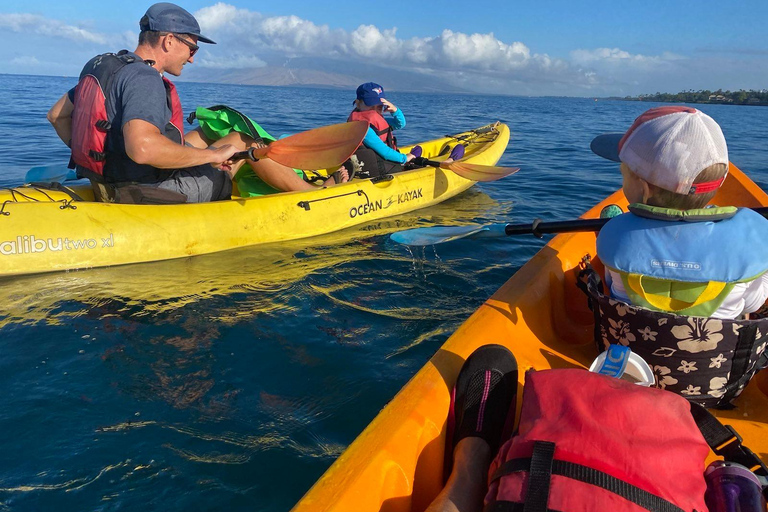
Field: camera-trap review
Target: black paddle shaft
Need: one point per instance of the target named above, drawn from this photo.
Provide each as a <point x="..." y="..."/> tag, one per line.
<point x="242" y="155"/>
<point x="424" y="162"/>
<point x="539" y="228"/>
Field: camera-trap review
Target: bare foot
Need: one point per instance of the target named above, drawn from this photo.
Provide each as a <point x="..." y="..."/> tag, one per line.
<point x="343" y="177"/>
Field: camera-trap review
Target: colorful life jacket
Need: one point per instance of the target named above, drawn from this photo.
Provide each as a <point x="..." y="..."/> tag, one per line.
<point x="590" y="442"/>
<point x="379" y="125"/>
<point x="684" y="262"/>
<point x="92" y="131"/>
<point x="709" y="361"/>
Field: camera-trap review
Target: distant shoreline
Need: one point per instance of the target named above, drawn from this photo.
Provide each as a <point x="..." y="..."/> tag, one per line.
<point x="719" y="97"/>
<point x="765" y="104"/>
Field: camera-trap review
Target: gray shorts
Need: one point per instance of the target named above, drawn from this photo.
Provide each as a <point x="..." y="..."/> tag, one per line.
<point x="200" y="184"/>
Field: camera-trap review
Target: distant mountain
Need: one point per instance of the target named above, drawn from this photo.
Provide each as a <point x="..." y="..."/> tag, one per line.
<point x="304" y="72"/>
<point x="274" y="76"/>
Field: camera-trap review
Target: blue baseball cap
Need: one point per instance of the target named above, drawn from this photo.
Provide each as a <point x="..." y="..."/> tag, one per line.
<point x="167" y="17"/>
<point x="370" y="93"/>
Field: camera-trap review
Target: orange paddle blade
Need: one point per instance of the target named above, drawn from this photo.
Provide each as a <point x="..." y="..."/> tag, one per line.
<point x="320" y="148"/>
<point x="477" y="172"/>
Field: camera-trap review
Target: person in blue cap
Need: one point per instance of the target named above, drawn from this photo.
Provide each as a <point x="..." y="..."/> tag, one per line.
<point x="379" y="152"/>
<point x="124" y="123"/>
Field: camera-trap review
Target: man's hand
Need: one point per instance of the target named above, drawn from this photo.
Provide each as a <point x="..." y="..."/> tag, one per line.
<point x="220" y="156"/>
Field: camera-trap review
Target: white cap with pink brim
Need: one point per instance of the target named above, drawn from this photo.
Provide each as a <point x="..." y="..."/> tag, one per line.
<point x="668" y="147"/>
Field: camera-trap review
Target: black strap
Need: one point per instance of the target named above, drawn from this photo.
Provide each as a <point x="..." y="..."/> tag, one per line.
<point x="589" y="282"/>
<point x="539" y="477"/>
<point x="391" y="139"/>
<point x="740" y="361"/>
<point x="725" y="441"/>
<point x="55" y="185"/>
<point x="587" y="475"/>
<point x="508" y="506"/>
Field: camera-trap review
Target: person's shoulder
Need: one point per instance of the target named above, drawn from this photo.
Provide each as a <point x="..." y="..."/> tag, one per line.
<point x="139" y="73"/>
<point x="139" y="68"/>
<point x="753" y="223"/>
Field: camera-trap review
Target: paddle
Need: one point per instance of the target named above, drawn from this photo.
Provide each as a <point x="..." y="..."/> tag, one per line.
<point x="320" y="148"/>
<point x="442" y="234"/>
<point x="50" y="173"/>
<point x="474" y="172"/>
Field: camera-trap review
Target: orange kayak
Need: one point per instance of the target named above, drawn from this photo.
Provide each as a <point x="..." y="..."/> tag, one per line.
<point x="396" y="464"/>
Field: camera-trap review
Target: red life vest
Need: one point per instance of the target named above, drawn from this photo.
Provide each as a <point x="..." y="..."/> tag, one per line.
<point x="92" y="134"/>
<point x="379" y="125"/>
<point x="590" y="442"/>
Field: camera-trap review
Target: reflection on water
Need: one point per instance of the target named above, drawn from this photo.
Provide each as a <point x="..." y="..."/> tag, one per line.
<point x="219" y="371"/>
<point x="232" y="381"/>
<point x="262" y="274"/>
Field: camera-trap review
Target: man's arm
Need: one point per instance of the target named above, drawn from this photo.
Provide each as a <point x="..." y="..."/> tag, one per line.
<point x="144" y="144"/>
<point x="60" y="116"/>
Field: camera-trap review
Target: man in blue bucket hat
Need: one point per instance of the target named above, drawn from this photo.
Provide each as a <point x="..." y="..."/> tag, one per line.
<point x="124" y="123"/>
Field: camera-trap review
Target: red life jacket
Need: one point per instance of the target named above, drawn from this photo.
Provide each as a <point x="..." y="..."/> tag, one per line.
<point x="590" y="442"/>
<point x="92" y="134"/>
<point x="379" y="125"/>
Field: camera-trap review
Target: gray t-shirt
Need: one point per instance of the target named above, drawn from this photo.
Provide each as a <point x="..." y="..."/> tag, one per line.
<point x="137" y="92"/>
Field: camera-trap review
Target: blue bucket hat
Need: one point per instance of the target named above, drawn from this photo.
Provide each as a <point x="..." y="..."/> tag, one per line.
<point x="370" y="93"/>
<point x="167" y="17"/>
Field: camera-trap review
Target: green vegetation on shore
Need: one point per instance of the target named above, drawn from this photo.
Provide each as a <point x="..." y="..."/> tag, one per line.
<point x="740" y="97"/>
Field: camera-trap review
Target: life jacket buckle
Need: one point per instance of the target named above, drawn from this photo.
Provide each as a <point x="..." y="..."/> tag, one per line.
<point x="103" y="125"/>
<point x="97" y="155"/>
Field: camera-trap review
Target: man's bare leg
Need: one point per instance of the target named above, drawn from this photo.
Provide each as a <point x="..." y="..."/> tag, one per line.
<point x="466" y="487"/>
<point x="276" y="175"/>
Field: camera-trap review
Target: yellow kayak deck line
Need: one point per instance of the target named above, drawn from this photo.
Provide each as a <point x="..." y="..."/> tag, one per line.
<point x="43" y="230"/>
<point x="396" y="463"/>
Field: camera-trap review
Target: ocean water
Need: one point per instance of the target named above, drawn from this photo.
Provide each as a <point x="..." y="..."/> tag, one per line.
<point x="232" y="381"/>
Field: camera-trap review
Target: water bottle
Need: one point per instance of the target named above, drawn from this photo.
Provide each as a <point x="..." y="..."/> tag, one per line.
<point x="732" y="488"/>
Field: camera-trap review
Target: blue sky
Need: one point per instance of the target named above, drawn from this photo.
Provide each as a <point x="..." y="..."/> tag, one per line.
<point x="542" y="47"/>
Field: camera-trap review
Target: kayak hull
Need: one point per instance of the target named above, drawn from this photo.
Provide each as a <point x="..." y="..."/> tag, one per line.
<point x="42" y="231"/>
<point x="540" y="315"/>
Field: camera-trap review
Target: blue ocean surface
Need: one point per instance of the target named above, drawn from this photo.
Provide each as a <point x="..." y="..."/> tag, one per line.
<point x="233" y="381"/>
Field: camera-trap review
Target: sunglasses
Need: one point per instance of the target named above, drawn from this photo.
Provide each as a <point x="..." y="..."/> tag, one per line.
<point x="189" y="44"/>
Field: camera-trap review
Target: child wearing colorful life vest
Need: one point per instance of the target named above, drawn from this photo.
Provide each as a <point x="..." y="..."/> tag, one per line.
<point x="670" y="253"/>
<point x="379" y="153"/>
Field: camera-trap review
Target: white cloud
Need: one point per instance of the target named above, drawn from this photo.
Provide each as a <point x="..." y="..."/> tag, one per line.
<point x="617" y="55"/>
<point x="224" y="16"/>
<point x="45" y="26"/>
<point x="246" y="32"/>
<point x="232" y="62"/>
<point x="475" y="61"/>
<point x="26" y="60"/>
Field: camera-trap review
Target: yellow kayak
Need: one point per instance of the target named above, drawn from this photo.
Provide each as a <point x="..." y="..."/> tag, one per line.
<point x="44" y="230"/>
<point x="396" y="464"/>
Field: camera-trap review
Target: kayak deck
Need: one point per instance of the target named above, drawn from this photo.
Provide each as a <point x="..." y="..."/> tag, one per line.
<point x="542" y="317"/>
<point x="44" y="230"/>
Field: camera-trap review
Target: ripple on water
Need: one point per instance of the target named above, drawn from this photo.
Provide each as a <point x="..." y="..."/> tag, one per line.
<point x="232" y="381"/>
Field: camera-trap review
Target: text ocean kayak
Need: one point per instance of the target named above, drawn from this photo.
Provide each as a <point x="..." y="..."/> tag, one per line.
<point x="396" y="464"/>
<point x="44" y="230"/>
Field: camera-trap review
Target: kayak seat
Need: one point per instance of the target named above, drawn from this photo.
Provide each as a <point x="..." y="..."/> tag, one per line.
<point x="709" y="361"/>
